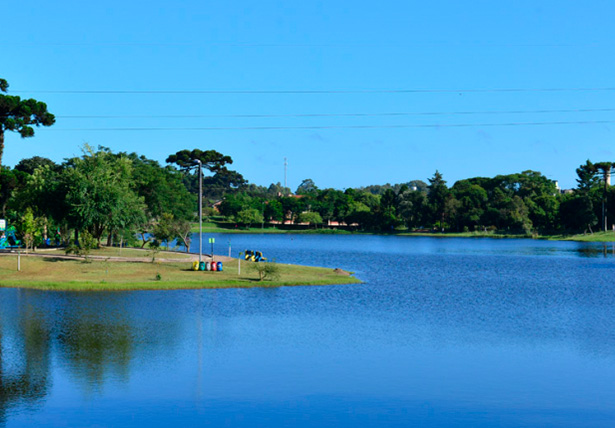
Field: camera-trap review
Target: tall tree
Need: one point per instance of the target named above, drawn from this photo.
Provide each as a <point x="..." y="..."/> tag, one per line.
<point x="100" y="194"/>
<point x="222" y="182"/>
<point x="292" y="207"/>
<point x="310" y="217"/>
<point x="10" y="181"/>
<point x="161" y="188"/>
<point x="605" y="168"/>
<point x="277" y="190"/>
<point x="274" y="210"/>
<point x="538" y="193"/>
<point x="411" y="208"/>
<point x="438" y="192"/>
<point x="577" y="212"/>
<point x="211" y="159"/>
<point x="45" y="192"/>
<point x="21" y="115"/>
<point x="473" y="200"/>
<point x="385" y="216"/>
<point x="587" y="176"/>
<point x="214" y="187"/>
<point x="29" y="165"/>
<point x="307" y="187"/>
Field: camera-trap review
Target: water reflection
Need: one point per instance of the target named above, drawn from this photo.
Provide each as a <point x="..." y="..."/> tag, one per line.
<point x="24" y="361"/>
<point x="597" y="250"/>
<point x="289" y="248"/>
<point x="93" y="337"/>
<point x="95" y="350"/>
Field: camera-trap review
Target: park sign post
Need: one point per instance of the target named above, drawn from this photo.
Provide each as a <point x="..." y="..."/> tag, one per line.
<point x="212" y="241"/>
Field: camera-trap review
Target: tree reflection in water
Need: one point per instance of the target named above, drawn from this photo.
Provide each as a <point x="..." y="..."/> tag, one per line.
<point x="93" y="349"/>
<point x="90" y="339"/>
<point x="24" y="370"/>
<point x="605" y="250"/>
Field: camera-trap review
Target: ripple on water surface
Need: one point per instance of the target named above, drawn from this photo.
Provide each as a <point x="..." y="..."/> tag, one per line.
<point x="442" y="333"/>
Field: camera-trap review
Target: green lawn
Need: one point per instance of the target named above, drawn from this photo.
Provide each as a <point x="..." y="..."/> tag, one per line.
<point x="62" y="274"/>
<point x="595" y="237"/>
<point x="464" y="235"/>
<point x="138" y="252"/>
<point x="212" y="227"/>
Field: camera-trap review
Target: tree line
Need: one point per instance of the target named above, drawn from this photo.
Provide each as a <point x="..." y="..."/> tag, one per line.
<point x="110" y="197"/>
<point x="523" y="203"/>
<point x="118" y="196"/>
<point x="126" y="198"/>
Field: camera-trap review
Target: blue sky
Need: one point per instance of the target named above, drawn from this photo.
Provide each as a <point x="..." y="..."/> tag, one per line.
<point x="350" y="50"/>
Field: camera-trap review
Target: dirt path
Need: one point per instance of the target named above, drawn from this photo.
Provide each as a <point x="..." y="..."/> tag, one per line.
<point x="162" y="256"/>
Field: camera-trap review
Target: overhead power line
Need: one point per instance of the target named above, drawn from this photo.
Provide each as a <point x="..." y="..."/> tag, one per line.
<point x="386" y="114"/>
<point x="268" y="128"/>
<point x="309" y="91"/>
<point x="358" y="44"/>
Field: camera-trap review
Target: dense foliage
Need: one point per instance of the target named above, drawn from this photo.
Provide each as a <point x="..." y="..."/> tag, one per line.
<point x="523" y="203"/>
<point x="108" y="195"/>
<point x="117" y="196"/>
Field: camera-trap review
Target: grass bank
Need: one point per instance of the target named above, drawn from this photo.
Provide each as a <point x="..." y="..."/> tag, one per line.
<point x="56" y="273"/>
<point x="214" y="227"/>
<point x="596" y="237"/>
<point x="465" y="235"/>
<point x="593" y="237"/>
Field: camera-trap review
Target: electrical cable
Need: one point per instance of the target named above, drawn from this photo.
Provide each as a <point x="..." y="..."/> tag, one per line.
<point x="390" y="114"/>
<point x="311" y="91"/>
<point x="268" y="128"/>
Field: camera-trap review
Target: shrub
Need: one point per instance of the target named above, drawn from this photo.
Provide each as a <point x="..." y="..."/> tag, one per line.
<point x="249" y="216"/>
<point x="86" y="245"/>
<point x="266" y="271"/>
<point x="154" y="249"/>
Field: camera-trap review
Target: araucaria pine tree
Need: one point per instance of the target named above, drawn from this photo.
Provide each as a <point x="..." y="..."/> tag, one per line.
<point x="20" y="115"/>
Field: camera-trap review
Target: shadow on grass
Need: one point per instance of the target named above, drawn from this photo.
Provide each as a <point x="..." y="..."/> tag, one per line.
<point x="242" y="279"/>
<point x="60" y="259"/>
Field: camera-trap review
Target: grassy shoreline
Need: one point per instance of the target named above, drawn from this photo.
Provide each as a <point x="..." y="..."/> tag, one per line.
<point x="595" y="237"/>
<point x="56" y="273"/>
<point x="211" y="227"/>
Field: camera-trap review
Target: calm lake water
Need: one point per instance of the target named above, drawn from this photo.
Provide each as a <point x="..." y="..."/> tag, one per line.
<point x="444" y="332"/>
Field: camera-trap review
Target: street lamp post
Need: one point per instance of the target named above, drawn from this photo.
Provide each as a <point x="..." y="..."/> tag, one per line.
<point x="198" y="161"/>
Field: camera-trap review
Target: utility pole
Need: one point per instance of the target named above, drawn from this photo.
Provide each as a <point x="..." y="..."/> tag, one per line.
<point x="607" y="183"/>
<point x="198" y="161"/>
<point x="605" y="169"/>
